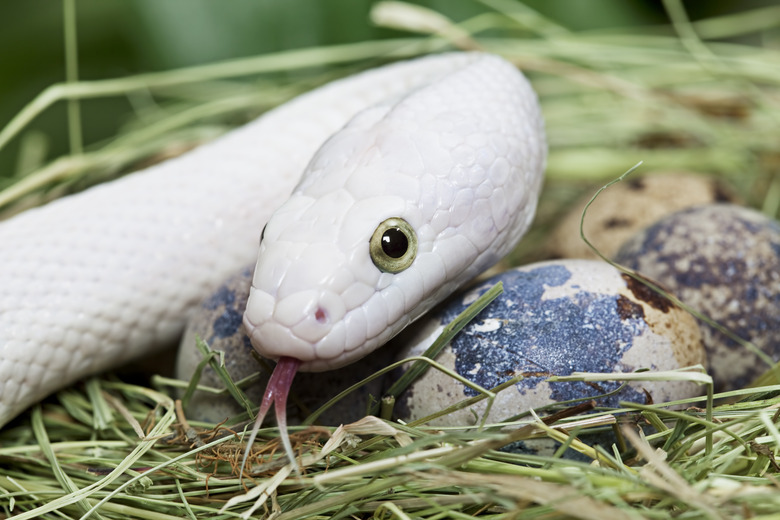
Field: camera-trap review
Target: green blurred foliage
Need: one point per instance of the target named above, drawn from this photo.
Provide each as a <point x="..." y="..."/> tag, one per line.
<point x="120" y="37"/>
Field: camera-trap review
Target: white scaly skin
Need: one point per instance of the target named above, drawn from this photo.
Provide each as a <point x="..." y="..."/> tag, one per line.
<point x="460" y="159"/>
<point x="95" y="279"/>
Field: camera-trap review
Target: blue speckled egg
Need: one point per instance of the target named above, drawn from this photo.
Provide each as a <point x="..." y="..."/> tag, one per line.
<point x="724" y="261"/>
<point x="218" y="321"/>
<point x="554" y="318"/>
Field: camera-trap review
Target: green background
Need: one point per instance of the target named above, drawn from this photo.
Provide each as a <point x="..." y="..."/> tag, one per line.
<point x="120" y="37"/>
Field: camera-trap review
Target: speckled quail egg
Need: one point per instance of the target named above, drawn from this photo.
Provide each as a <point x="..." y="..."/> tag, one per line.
<point x="629" y="206"/>
<point x="218" y="321"/>
<point x="724" y="261"/>
<point x="553" y="318"/>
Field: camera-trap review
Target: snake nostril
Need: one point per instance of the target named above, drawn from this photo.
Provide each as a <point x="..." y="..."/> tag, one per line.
<point x="321" y="315"/>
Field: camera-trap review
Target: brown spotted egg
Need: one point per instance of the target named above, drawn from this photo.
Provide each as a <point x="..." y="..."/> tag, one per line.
<point x="628" y="207"/>
<point x="218" y="321"/>
<point x="724" y="261"/>
<point x="554" y="318"/>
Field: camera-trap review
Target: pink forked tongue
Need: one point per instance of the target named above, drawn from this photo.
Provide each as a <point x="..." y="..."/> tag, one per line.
<point x="276" y="393"/>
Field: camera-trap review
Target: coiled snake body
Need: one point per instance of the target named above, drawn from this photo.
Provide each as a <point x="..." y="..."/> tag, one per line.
<point x="449" y="148"/>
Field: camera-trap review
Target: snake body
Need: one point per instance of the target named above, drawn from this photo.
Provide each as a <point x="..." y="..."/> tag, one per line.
<point x="452" y="143"/>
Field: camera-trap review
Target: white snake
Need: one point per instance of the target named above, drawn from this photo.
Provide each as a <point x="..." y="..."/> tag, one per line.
<point x="451" y="144"/>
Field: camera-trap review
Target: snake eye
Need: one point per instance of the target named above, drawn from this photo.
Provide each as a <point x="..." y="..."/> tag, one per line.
<point x="393" y="245"/>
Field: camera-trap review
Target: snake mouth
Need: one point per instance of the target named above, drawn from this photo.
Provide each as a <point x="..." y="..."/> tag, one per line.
<point x="276" y="393"/>
<point x="296" y="325"/>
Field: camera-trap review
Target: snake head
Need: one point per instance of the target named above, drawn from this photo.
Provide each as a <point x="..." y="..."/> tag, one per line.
<point x="410" y="200"/>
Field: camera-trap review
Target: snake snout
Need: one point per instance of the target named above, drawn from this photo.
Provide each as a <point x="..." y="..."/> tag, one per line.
<point x="293" y="326"/>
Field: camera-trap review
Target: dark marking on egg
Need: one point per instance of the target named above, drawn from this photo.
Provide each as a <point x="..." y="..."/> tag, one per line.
<point x="721" y="193"/>
<point x="616" y="222"/>
<point x="222" y="297"/>
<point x="629" y="310"/>
<point x="643" y="292"/>
<point x="227" y="324"/>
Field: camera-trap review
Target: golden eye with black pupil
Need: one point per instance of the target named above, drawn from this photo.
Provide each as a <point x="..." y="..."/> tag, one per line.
<point x="393" y="246"/>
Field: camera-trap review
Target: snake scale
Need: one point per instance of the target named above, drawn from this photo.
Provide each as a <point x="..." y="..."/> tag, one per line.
<point x="382" y="193"/>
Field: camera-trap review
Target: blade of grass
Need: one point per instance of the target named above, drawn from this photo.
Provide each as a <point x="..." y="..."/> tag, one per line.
<point x="446" y="336"/>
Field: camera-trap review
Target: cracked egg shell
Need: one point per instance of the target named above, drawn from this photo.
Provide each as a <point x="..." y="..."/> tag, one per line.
<point x="724" y="261"/>
<point x="218" y="321"/>
<point x="553" y="318"/>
